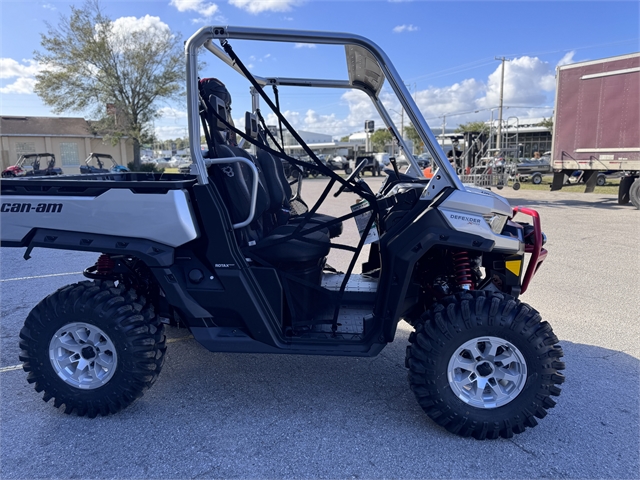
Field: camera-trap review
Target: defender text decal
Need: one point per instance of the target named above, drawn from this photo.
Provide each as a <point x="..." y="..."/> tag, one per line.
<point x="466" y="219"/>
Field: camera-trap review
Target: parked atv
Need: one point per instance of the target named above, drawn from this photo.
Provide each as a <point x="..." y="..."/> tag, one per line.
<point x="29" y="165"/>
<point x="99" y="159"/>
<point x="241" y="260"/>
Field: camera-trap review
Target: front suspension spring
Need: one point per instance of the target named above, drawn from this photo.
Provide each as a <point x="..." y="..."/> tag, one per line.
<point x="462" y="269"/>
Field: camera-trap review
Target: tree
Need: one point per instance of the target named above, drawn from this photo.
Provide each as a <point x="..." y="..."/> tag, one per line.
<point x="471" y="127"/>
<point x="412" y="134"/>
<point x="547" y="123"/>
<point x="345" y="138"/>
<point x="92" y="63"/>
<point x="380" y="138"/>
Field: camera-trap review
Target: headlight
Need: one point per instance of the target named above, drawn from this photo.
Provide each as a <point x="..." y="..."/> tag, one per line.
<point x="496" y="222"/>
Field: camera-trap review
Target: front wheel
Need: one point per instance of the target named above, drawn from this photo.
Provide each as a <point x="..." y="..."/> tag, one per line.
<point x="536" y="179"/>
<point x="484" y="365"/>
<point x="93" y="347"/>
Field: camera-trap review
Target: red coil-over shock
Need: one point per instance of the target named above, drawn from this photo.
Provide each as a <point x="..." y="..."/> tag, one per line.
<point x="105" y="265"/>
<point x="462" y="269"/>
<point x="102" y="269"/>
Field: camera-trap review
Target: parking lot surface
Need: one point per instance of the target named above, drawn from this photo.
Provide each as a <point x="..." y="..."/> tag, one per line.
<point x="213" y="415"/>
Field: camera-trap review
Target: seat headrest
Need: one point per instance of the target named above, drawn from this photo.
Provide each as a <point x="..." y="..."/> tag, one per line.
<point x="213" y="86"/>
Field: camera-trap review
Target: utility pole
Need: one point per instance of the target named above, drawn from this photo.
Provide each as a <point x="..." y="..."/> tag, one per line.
<point x="499" y="136"/>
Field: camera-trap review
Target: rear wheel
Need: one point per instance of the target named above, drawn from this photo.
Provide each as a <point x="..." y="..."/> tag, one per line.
<point x="93" y="347"/>
<point x="536" y="179"/>
<point x="484" y="365"/>
<point x="601" y="180"/>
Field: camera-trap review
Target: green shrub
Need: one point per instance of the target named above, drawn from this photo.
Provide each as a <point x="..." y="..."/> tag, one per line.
<point x="145" y="167"/>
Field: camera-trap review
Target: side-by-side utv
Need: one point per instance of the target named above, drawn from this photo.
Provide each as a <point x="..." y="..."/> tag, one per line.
<point x="233" y="253"/>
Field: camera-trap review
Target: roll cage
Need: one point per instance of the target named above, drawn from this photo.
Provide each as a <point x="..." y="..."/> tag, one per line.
<point x="367" y="65"/>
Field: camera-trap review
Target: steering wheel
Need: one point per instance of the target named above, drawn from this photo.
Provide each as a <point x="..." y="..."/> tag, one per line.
<point x="350" y="178"/>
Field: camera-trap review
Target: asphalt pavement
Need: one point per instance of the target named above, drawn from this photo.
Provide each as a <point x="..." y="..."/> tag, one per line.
<point x="213" y="415"/>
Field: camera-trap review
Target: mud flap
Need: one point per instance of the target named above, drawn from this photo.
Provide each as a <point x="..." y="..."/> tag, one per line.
<point x="590" y="179"/>
<point x="558" y="180"/>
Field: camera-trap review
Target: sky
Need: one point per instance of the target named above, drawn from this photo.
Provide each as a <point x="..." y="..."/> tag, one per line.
<point x="444" y="51"/>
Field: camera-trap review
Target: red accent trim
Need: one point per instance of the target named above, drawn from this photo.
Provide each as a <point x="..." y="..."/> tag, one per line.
<point x="538" y="254"/>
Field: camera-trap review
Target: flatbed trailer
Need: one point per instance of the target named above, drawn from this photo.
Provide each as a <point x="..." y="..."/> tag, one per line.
<point x="597" y="123"/>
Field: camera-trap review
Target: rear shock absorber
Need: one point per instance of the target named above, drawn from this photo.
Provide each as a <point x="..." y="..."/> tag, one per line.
<point x="103" y="268"/>
<point x="462" y="269"/>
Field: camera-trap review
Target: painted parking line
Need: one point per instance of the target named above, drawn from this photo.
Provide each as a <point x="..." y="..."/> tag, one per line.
<point x="11" y="368"/>
<point x="39" y="276"/>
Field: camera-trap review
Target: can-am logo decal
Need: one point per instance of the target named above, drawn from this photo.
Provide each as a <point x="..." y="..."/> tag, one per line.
<point x="470" y="220"/>
<point x="29" y="207"/>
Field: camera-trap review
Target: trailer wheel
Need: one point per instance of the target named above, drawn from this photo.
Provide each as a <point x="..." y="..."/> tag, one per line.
<point x="484" y="365"/>
<point x="601" y="180"/>
<point x="536" y="179"/>
<point x="634" y="193"/>
<point x="516" y="186"/>
<point x="93" y="347"/>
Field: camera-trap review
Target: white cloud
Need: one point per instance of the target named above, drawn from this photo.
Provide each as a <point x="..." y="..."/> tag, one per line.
<point x="166" y="132"/>
<point x="10" y="68"/>
<point x="23" y="85"/>
<point x="259" y="6"/>
<point x="48" y="6"/>
<point x="203" y="8"/>
<point x="170" y="112"/>
<point x="526" y="79"/>
<point x="459" y="97"/>
<point x="288" y="19"/>
<point x="568" y="58"/>
<point x="125" y="26"/>
<point x="360" y="109"/>
<point x="305" y="45"/>
<point x="404" y="28"/>
<point x="23" y="73"/>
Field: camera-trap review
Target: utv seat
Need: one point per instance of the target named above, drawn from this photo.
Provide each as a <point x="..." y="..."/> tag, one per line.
<point x="260" y="240"/>
<point x="280" y="194"/>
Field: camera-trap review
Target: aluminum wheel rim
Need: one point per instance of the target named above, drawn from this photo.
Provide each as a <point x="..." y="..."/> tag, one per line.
<point x="487" y="372"/>
<point x="83" y="355"/>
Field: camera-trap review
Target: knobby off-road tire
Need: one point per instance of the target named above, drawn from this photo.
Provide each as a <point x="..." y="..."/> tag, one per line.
<point x="478" y="339"/>
<point x="92" y="321"/>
